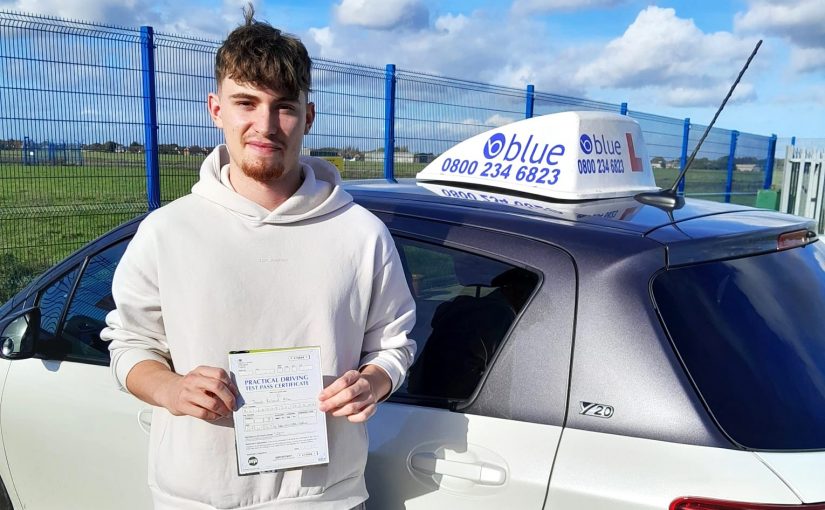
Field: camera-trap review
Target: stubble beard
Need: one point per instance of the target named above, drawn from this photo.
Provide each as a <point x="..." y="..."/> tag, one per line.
<point x="262" y="172"/>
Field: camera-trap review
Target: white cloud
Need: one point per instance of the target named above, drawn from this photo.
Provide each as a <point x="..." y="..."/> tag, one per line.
<point x="669" y="55"/>
<point x="498" y="120"/>
<point x="382" y="14"/>
<point x="802" y="21"/>
<point x="480" y="46"/>
<point x="531" y="6"/>
<point x="808" y="59"/>
<point x="686" y="96"/>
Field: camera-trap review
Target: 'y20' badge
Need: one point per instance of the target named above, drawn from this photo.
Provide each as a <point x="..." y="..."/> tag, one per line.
<point x="597" y="410"/>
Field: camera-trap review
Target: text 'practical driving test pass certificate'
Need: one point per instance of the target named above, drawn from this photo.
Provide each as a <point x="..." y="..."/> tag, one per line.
<point x="278" y="424"/>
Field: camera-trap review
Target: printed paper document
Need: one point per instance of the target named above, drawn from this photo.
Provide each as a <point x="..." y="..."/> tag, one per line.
<point x="277" y="424"/>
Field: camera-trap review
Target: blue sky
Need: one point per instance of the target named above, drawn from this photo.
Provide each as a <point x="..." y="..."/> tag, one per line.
<point x="674" y="58"/>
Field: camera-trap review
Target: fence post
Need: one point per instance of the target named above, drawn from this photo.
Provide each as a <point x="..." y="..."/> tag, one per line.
<point x="734" y="135"/>
<point x="623" y="109"/>
<point x="150" y="117"/>
<point x="389" y="124"/>
<point x="530" y="101"/>
<point x="683" y="158"/>
<point x="769" y="162"/>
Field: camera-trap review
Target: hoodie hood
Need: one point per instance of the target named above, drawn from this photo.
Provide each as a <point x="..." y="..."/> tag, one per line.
<point x="320" y="192"/>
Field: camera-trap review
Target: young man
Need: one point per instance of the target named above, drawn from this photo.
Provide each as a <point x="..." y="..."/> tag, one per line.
<point x="267" y="251"/>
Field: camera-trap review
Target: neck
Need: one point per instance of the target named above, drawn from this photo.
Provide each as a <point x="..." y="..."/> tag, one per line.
<point x="268" y="195"/>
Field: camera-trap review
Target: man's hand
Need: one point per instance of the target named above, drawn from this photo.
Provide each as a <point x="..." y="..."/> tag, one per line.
<point x="206" y="392"/>
<point x="356" y="394"/>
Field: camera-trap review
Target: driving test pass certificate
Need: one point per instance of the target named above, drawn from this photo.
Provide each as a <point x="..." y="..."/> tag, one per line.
<point x="278" y="424"/>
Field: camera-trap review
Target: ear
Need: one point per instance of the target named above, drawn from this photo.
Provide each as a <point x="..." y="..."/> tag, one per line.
<point x="213" y="102"/>
<point x="310" y="117"/>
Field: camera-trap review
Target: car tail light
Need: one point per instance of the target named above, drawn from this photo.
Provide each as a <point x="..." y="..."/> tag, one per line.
<point x="717" y="504"/>
<point x="793" y="239"/>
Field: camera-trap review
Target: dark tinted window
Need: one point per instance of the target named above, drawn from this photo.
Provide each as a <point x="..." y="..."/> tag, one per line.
<point x="751" y="333"/>
<point x="91" y="302"/>
<point x="52" y="301"/>
<point x="465" y="306"/>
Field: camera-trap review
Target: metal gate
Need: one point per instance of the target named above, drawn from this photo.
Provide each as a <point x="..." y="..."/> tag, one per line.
<point x="804" y="183"/>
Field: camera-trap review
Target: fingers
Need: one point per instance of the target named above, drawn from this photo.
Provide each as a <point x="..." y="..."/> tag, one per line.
<point x="348" y="379"/>
<point x="206" y="393"/>
<point x="351" y="395"/>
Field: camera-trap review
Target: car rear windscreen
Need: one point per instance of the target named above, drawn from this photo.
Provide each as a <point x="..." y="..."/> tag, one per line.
<point x="751" y="335"/>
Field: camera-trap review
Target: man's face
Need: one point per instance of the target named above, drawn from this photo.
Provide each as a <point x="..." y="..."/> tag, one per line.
<point x="264" y="129"/>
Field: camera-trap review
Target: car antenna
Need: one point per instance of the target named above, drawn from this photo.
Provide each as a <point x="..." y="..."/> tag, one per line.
<point x="668" y="199"/>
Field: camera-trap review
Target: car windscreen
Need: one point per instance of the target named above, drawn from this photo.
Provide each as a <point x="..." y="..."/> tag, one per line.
<point x="751" y="335"/>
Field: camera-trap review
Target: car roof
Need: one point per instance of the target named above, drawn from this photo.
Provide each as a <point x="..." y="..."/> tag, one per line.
<point x="626" y="213"/>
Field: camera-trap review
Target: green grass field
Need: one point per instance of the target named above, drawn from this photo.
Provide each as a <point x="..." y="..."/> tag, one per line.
<point x="47" y="212"/>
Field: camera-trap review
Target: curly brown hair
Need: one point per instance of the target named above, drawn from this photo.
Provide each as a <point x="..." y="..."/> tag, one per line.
<point x="258" y="54"/>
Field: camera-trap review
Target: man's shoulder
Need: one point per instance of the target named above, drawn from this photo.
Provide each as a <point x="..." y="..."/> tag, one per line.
<point x="362" y="220"/>
<point x="176" y="211"/>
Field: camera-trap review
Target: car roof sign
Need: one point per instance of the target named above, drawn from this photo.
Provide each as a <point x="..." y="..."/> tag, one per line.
<point x="565" y="156"/>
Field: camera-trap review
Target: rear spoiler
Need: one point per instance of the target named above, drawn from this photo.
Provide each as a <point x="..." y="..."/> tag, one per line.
<point x="732" y="235"/>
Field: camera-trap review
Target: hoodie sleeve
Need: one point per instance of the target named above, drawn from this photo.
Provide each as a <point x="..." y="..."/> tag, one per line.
<point x="135" y="328"/>
<point x="390" y="319"/>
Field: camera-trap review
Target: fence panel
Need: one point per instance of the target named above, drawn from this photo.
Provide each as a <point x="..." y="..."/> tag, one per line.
<point x="749" y="167"/>
<point x="434" y="113"/>
<point x="184" y="77"/>
<point x="349" y="119"/>
<point x="663" y="138"/>
<point x="76" y="86"/>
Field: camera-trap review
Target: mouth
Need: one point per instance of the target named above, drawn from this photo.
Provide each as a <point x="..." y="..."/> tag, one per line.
<point x="262" y="146"/>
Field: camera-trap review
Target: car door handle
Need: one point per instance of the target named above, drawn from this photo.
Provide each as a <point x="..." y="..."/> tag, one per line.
<point x="144" y="418"/>
<point x="481" y="473"/>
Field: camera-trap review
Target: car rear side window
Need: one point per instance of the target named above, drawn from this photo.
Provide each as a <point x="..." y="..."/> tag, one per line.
<point x="751" y="335"/>
<point x="466" y="304"/>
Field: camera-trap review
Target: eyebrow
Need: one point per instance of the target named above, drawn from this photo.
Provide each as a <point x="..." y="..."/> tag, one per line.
<point x="243" y="95"/>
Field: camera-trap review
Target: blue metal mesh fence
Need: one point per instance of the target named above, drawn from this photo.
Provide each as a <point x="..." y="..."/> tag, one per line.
<point x="73" y="129"/>
<point x="545" y="104"/>
<point x="186" y="134"/>
<point x="434" y="113"/>
<point x="76" y="86"/>
<point x="708" y="174"/>
<point x="349" y="121"/>
<point x="749" y="162"/>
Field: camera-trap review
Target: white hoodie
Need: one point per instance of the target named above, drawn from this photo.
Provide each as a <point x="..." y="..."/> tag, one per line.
<point x="214" y="272"/>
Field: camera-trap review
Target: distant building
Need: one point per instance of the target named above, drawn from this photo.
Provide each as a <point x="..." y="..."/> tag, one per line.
<point x="746" y="167"/>
<point x="424" y="157"/>
<point x="49" y="153"/>
<point x="324" y="153"/>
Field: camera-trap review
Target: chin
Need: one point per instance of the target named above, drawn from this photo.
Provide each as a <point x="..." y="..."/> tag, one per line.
<point x="262" y="172"/>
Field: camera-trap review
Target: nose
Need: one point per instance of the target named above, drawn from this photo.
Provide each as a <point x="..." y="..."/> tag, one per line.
<point x="266" y="121"/>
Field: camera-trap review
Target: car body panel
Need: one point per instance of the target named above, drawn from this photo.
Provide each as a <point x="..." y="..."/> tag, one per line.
<point x="79" y="412"/>
<point x="518" y="456"/>
<point x="802" y="471"/>
<point x="607" y="471"/>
